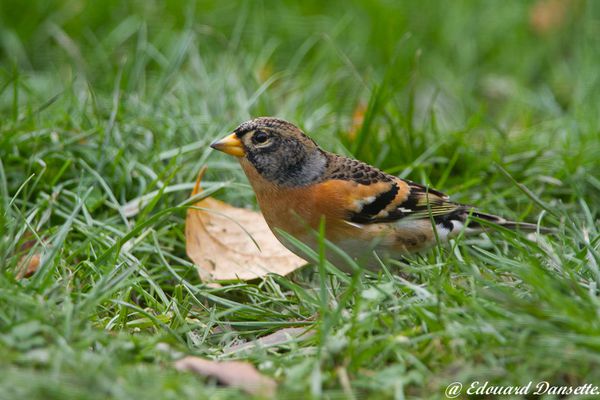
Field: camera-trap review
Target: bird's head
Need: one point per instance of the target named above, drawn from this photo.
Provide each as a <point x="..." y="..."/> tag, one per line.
<point x="279" y="151"/>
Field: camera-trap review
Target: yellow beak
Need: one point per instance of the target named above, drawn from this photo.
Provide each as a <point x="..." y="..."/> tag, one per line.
<point x="230" y="145"/>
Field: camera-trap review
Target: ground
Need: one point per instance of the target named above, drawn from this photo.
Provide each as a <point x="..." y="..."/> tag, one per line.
<point x="493" y="102"/>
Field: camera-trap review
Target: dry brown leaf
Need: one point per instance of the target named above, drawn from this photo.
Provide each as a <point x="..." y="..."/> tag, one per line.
<point x="358" y="118"/>
<point x="282" y="336"/>
<point x="548" y="15"/>
<point x="28" y="264"/>
<point x="222" y="240"/>
<point x="238" y="374"/>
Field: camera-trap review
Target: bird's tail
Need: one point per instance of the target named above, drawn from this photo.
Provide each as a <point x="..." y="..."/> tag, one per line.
<point x="516" y="226"/>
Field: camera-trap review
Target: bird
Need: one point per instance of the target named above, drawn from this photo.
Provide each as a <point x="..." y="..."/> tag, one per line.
<point x="365" y="211"/>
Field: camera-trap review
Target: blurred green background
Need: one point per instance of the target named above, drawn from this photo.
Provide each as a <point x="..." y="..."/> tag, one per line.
<point x="102" y="102"/>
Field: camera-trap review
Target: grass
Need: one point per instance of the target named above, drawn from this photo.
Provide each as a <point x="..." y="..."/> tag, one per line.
<point x="102" y="103"/>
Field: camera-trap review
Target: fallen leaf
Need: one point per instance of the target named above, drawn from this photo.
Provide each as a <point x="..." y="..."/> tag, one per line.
<point x="358" y="118"/>
<point x="546" y="16"/>
<point x="282" y="336"/>
<point x="230" y="243"/>
<point x="30" y="262"/>
<point x="237" y="374"/>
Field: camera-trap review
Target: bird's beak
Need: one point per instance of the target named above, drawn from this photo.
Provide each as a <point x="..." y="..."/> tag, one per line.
<point x="230" y="145"/>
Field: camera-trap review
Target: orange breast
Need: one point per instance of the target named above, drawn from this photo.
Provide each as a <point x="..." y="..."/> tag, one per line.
<point x="299" y="210"/>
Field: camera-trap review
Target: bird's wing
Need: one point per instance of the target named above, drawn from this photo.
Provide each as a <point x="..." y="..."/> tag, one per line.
<point x="417" y="202"/>
<point x="372" y="196"/>
<point x="361" y="194"/>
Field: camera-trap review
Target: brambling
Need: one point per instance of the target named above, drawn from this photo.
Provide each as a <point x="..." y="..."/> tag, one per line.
<point x="297" y="184"/>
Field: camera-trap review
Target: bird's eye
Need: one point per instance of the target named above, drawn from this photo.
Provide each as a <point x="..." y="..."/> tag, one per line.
<point x="260" y="137"/>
